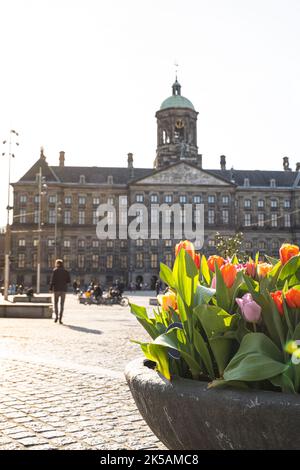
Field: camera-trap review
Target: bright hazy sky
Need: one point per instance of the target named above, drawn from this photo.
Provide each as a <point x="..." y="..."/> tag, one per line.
<point x="87" y="76"/>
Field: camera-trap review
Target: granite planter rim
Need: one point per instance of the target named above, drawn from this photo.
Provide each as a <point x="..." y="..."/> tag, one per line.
<point x="185" y="415"/>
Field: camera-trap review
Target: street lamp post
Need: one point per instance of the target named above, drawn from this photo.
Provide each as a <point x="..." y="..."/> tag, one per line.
<point x="8" y="208"/>
<point x="41" y="191"/>
<point x="57" y="213"/>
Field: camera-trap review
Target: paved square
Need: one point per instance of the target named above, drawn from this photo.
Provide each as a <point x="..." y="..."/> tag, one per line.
<point x="63" y="386"/>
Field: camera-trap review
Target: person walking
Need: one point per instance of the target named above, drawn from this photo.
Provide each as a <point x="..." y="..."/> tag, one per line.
<point x="59" y="283"/>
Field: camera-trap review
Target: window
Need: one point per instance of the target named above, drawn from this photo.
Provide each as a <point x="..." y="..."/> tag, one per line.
<point x="23" y="199"/>
<point x="225" y="200"/>
<point x="261" y="220"/>
<point x="123" y="200"/>
<point x="52" y="199"/>
<point x="35" y="242"/>
<point x="81" y="200"/>
<point x="139" y="198"/>
<point x="168" y="199"/>
<point x="139" y="242"/>
<point x="154" y="198"/>
<point x="225" y="217"/>
<point x="247" y="220"/>
<point x="110" y="201"/>
<point x="182" y="199"/>
<point x="274" y="220"/>
<point x="274" y="245"/>
<point x="248" y="245"/>
<point x="109" y="244"/>
<point x="154" y="242"/>
<point x="82" y="179"/>
<point x="67" y="243"/>
<point x="262" y="245"/>
<point x="22" y="242"/>
<point x="211" y="243"/>
<point x="36" y="199"/>
<point x="67" y="217"/>
<point x="154" y="261"/>
<point x="273" y="183"/>
<point x="22" y="216"/>
<point x="246" y="182"/>
<point x="274" y="203"/>
<point x="95" y="243"/>
<point x="80" y="261"/>
<point x="287" y="203"/>
<point x="81" y="243"/>
<point x="51" y="216"/>
<point x="36" y="217"/>
<point x="95" y="218"/>
<point x="168" y="243"/>
<point x="247" y="203"/>
<point x="211" y="216"/>
<point x="21" y="260"/>
<point x="96" y="201"/>
<point x="260" y="203"/>
<point x="211" y="199"/>
<point x="168" y="259"/>
<point x="51" y="260"/>
<point x="197" y="199"/>
<point x="287" y="220"/>
<point x="123" y="243"/>
<point x="123" y="260"/>
<point x="81" y="217"/>
<point x="139" y="260"/>
<point x="110" y="179"/>
<point x="68" y="200"/>
<point x="67" y="261"/>
<point x="51" y="242"/>
<point x="110" y="217"/>
<point x="109" y="261"/>
<point x="95" y="261"/>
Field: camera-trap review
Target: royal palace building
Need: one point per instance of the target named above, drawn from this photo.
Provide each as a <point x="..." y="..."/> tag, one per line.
<point x="56" y="206"/>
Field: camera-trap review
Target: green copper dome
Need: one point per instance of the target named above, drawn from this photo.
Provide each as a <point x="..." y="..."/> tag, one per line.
<point x="176" y="100"/>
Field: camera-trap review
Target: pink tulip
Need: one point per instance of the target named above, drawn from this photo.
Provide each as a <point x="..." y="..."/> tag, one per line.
<point x="213" y="282"/>
<point x="250" y="309"/>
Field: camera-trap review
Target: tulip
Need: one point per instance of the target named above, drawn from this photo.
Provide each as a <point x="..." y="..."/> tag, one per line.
<point x="292" y="297"/>
<point x="277" y="297"/>
<point x="263" y="269"/>
<point x="187" y="246"/>
<point x="229" y="273"/>
<point x="287" y="251"/>
<point x="215" y="259"/>
<point x="197" y="260"/>
<point x="168" y="300"/>
<point x="213" y="282"/>
<point x="250" y="268"/>
<point x="251" y="311"/>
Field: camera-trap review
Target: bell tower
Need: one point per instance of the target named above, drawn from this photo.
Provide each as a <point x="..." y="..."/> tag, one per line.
<point x="176" y="130"/>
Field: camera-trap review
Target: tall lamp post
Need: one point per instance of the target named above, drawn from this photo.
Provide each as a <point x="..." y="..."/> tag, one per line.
<point x="42" y="187"/>
<point x="12" y="134"/>
<point x="58" y="210"/>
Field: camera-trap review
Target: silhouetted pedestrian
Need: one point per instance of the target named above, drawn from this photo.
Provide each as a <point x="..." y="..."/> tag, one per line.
<point x="59" y="285"/>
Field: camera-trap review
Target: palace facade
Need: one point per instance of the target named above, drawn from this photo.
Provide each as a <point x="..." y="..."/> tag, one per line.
<point x="264" y="205"/>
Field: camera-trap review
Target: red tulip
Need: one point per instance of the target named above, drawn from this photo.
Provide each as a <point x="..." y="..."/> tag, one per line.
<point x="187" y="246"/>
<point x="277" y="297"/>
<point x="292" y="297"/>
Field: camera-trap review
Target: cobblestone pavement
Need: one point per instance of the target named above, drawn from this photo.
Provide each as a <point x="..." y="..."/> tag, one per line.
<point x="63" y="386"/>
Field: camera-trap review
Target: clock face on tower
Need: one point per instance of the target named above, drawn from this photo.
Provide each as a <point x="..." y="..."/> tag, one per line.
<point x="179" y="124"/>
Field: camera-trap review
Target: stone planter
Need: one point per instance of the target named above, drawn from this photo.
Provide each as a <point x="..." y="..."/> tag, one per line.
<point x="185" y="415"/>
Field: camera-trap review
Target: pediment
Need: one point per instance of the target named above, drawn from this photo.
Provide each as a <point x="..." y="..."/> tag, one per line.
<point x="183" y="174"/>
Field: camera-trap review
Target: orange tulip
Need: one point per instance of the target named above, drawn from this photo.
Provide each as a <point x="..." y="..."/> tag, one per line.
<point x="215" y="259"/>
<point x="277" y="297"/>
<point x="187" y="246"/>
<point x="287" y="251"/>
<point x="292" y="297"/>
<point x="168" y="300"/>
<point x="229" y="273"/>
<point x="263" y="269"/>
<point x="251" y="268"/>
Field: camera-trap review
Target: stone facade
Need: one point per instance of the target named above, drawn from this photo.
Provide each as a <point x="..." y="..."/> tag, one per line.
<point x="264" y="205"/>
